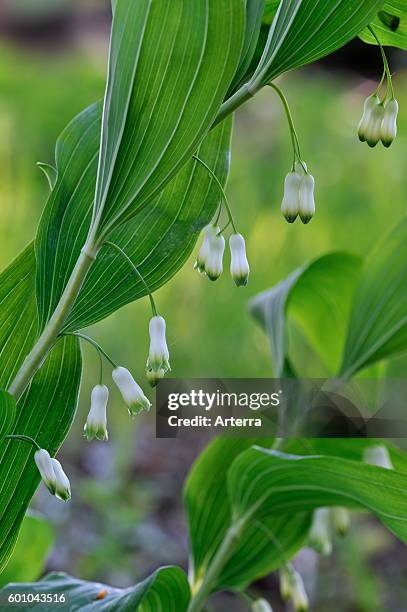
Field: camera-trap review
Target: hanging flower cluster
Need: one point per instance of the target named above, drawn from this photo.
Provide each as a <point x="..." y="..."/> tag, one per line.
<point x="298" y="194"/>
<point x="379" y="119"/>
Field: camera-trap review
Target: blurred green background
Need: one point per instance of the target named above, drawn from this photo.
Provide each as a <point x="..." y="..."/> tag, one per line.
<point x="126" y="516"/>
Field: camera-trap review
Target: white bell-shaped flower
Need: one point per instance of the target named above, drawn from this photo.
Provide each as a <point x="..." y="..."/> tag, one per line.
<point x="158" y="357"/>
<point x="214" y="260"/>
<point x="319" y="537"/>
<point x="379" y="456"/>
<point x="43" y="461"/>
<point x="373" y="130"/>
<point x="62" y="485"/>
<point x="389" y="126"/>
<point x="261" y="605"/>
<point x="340" y="519"/>
<point x="370" y="103"/>
<point x="96" y="423"/>
<point x="291" y="199"/>
<point x="239" y="266"/>
<point x="306" y="201"/>
<point x="292" y="588"/>
<point x="209" y="232"/>
<point x="131" y="392"/>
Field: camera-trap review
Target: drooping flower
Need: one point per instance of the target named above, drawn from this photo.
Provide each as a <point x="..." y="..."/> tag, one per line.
<point x="319" y="537"/>
<point x="306" y="201"/>
<point x="292" y="588"/>
<point x="209" y="232"/>
<point x="340" y="519"/>
<point x="214" y="260"/>
<point x="96" y="423"/>
<point x="261" y="605"/>
<point x="43" y="461"/>
<point x="389" y="126"/>
<point x="62" y="485"/>
<point x="131" y="392"/>
<point x="158" y="357"/>
<point x="239" y="266"/>
<point x="379" y="456"/>
<point x="291" y="199"/>
<point x="370" y="103"/>
<point x="373" y="128"/>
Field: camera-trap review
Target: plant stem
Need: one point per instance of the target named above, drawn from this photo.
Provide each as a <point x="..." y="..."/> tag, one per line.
<point x="385" y="61"/>
<point x="218" y="563"/>
<point x="23" y="438"/>
<point x="95" y="344"/>
<point x="240" y="97"/>
<point x="294" y="135"/>
<point x="49" y="336"/>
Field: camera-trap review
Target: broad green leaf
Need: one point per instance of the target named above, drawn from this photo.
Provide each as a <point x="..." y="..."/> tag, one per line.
<point x="166" y="590"/>
<point x="254" y="15"/>
<point x="318" y="297"/>
<point x="262" y="546"/>
<point x="33" y="545"/>
<point x="170" y="66"/>
<point x="263" y="482"/>
<point x="378" y="322"/>
<point x="50" y="173"/>
<point x="158" y="240"/>
<point x="7" y="413"/>
<point x="44" y="412"/>
<point x="390" y="25"/>
<point x="270" y="10"/>
<point x="306" y="30"/>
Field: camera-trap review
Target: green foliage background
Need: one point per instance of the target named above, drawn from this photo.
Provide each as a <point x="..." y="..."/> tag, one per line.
<point x="360" y="195"/>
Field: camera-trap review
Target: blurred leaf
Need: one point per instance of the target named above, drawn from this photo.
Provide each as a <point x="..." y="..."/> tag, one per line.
<point x="262" y="547"/>
<point x="33" y="545"/>
<point x="158" y="240"/>
<point x="378" y="322"/>
<point x="166" y="590"/>
<point x="306" y="30"/>
<point x="390" y="25"/>
<point x="318" y="296"/>
<point x="262" y="482"/>
<point x="7" y="413"/>
<point x="170" y="67"/>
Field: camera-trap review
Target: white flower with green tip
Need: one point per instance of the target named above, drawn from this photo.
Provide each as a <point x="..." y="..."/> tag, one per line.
<point x="96" y="423"/>
<point x="158" y="357"/>
<point x="131" y="392"/>
<point x="239" y="266"/>
<point x="306" y="201"/>
<point x="319" y="537"/>
<point x="209" y="232"/>
<point x="214" y="260"/>
<point x="62" y="484"/>
<point x="388" y="131"/>
<point x="43" y="461"/>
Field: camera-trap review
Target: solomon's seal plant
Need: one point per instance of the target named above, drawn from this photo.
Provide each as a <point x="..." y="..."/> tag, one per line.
<point x="136" y="179"/>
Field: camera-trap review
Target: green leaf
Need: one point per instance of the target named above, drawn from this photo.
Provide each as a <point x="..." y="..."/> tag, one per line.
<point x="317" y="297"/>
<point x="158" y="240"/>
<point x="254" y="16"/>
<point x="262" y="546"/>
<point x="378" y="323"/>
<point x="34" y="543"/>
<point x="390" y="25"/>
<point x="166" y="590"/>
<point x="263" y="482"/>
<point x="50" y="173"/>
<point x="7" y="413"/>
<point x="170" y="67"/>
<point x="306" y="30"/>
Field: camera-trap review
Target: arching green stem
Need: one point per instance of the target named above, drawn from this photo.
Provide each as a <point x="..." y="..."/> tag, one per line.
<point x="96" y="345"/>
<point x="23" y="438"/>
<point x="385" y="62"/>
<point x="136" y="272"/>
<point x="293" y="131"/>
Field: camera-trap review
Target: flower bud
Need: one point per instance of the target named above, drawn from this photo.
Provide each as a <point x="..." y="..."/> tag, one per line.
<point x="370" y="103"/>
<point x="96" y="423"/>
<point x="389" y="126"/>
<point x="292" y="587"/>
<point x="373" y="129"/>
<point x="131" y="392"/>
<point x="319" y="537"/>
<point x="158" y="357"/>
<point x="379" y="456"/>
<point x="306" y="203"/>
<point x="44" y="464"/>
<point x="261" y="605"/>
<point x="291" y="199"/>
<point x="209" y="232"/>
<point x="239" y="266"/>
<point x="340" y="520"/>
<point x="62" y="485"/>
<point x="213" y="265"/>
